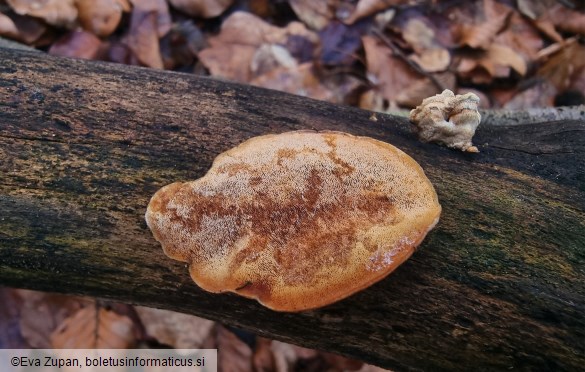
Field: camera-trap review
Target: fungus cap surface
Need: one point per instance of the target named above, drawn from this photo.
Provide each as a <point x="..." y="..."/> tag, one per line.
<point x="297" y="220"/>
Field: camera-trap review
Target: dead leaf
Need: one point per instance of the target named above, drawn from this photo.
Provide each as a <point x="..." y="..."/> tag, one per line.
<point x="412" y="96"/>
<point x="429" y="55"/>
<point x="269" y="57"/>
<point x="496" y="62"/>
<point x="8" y="27"/>
<point x="315" y="14"/>
<point x="42" y="312"/>
<point x="10" y="335"/>
<point x="500" y="55"/>
<point x="534" y="9"/>
<point x="565" y="65"/>
<point x="341" y="363"/>
<point x="262" y="359"/>
<point x="365" y="8"/>
<point x="433" y="60"/>
<point x="578" y="81"/>
<point x="541" y="21"/>
<point x="149" y="21"/>
<point x="233" y="355"/>
<point x="301" y="81"/>
<point x="419" y="35"/>
<point x="143" y="38"/>
<point x="484" y="26"/>
<point x="181" y="331"/>
<point x="94" y="327"/>
<point x="389" y="74"/>
<point x="372" y="100"/>
<point x="119" y="52"/>
<point x="300" y="47"/>
<point x="500" y="95"/>
<point x="521" y="36"/>
<point x="304" y="80"/>
<point x="194" y="38"/>
<point x="271" y="355"/>
<point x="160" y="8"/>
<point x="61" y="13"/>
<point x="383" y="19"/>
<point x="340" y="43"/>
<point x="21" y="28"/>
<point x="540" y="95"/>
<point x="468" y="67"/>
<point x="564" y="19"/>
<point x="78" y="44"/>
<point x="286" y="355"/>
<point x="101" y="17"/>
<point x="232" y="52"/>
<point x="294" y="358"/>
<point x="202" y="8"/>
<point x="180" y="46"/>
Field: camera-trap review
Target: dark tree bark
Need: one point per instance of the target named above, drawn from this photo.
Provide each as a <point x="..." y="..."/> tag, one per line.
<point x="498" y="284"/>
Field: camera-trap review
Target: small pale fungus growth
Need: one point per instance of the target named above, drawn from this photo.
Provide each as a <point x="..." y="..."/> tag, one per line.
<point x="297" y="220"/>
<point x="448" y="119"/>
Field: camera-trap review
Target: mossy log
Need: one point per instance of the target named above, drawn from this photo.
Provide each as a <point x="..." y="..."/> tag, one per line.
<point x="499" y="284"/>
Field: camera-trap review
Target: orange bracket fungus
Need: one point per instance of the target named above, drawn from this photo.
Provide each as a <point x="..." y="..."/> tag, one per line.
<point x="297" y="220"/>
<point x="448" y="119"/>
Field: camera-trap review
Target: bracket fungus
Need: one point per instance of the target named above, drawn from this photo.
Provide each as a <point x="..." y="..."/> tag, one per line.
<point x="448" y="119"/>
<point x="297" y="220"/>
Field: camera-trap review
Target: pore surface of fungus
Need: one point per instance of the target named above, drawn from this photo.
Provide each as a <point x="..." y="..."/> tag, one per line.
<point x="297" y="220"/>
<point x="448" y="119"/>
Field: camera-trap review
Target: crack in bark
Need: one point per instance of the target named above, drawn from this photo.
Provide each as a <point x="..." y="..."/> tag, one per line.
<point x="531" y="152"/>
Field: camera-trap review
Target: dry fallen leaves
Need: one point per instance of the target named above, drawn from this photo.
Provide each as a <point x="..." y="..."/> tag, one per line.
<point x="304" y="80"/>
<point x="390" y="75"/>
<point x="232" y="353"/>
<point x="21" y="28"/>
<point x="522" y="37"/>
<point x="61" y="13"/>
<point x="177" y="330"/>
<point x="149" y="21"/>
<point x="45" y="320"/>
<point x="429" y="54"/>
<point x="142" y="39"/>
<point x="315" y="14"/>
<point x="160" y="9"/>
<point x="42" y="312"/>
<point x="8" y="27"/>
<point x="101" y="17"/>
<point x="485" y="24"/>
<point x="94" y="327"/>
<point x="365" y="8"/>
<point x="340" y="44"/>
<point x="247" y="47"/>
<point x="10" y="335"/>
<point x="78" y="44"/>
<point x="202" y="8"/>
<point x="495" y="62"/>
<point x="488" y="44"/>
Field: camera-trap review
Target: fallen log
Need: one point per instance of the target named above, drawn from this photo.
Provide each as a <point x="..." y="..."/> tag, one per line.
<point x="498" y="284"/>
